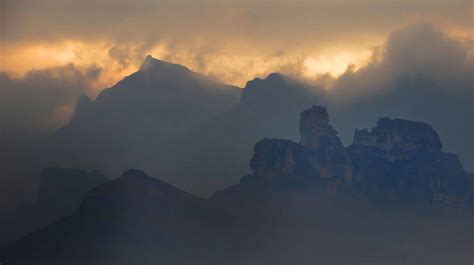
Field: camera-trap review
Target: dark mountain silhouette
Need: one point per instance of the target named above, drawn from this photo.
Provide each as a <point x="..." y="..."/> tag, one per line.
<point x="61" y="189"/>
<point x="178" y="124"/>
<point x="135" y="218"/>
<point x="159" y="101"/>
<point x="60" y="193"/>
<point x="391" y="197"/>
<point x="268" y="108"/>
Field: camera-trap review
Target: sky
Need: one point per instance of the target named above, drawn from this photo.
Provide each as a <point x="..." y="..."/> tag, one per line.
<point x="87" y="46"/>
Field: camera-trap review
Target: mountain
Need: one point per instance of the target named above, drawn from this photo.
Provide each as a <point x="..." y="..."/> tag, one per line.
<point x="61" y="189"/>
<point x="392" y="197"/>
<point x="60" y="193"/>
<point x="178" y="124"/>
<point x="163" y="96"/>
<point x="159" y="101"/>
<point x="218" y="149"/>
<point x="133" y="218"/>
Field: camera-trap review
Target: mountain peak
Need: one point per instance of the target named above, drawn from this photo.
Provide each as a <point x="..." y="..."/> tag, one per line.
<point x="131" y="173"/>
<point x="152" y="63"/>
<point x="276" y="76"/>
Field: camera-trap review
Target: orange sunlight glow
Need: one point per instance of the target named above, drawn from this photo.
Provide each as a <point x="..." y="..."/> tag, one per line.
<point x="335" y="63"/>
<point x="236" y="69"/>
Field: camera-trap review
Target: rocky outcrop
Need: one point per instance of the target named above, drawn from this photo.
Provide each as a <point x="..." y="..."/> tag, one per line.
<point x="401" y="159"/>
<point x="281" y="162"/>
<point x="327" y="153"/>
<point x="401" y="139"/>
<point x="319" y="159"/>
<point x="315" y="130"/>
<point x="398" y="160"/>
<point x="319" y="156"/>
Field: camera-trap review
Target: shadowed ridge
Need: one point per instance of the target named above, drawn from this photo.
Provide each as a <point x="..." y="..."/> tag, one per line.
<point x="138" y="195"/>
<point x="135" y="173"/>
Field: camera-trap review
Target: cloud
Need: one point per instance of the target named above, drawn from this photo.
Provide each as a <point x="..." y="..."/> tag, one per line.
<point x="43" y="99"/>
<point x="130" y="53"/>
<point x="415" y="51"/>
<point x="421" y="73"/>
<point x="231" y="40"/>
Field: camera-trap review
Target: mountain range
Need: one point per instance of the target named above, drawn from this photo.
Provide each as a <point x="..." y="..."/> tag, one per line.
<point x="172" y="122"/>
<point x="304" y="203"/>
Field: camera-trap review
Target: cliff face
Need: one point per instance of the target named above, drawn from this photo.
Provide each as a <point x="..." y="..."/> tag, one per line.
<point x="319" y="159"/>
<point x="401" y="139"/>
<point x="327" y="154"/>
<point x="398" y="160"/>
<point x="403" y="159"/>
<point x="319" y="156"/>
<point x="280" y="162"/>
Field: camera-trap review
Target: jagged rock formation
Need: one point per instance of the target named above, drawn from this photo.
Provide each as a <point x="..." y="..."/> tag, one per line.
<point x="401" y="139"/>
<point x="328" y="156"/>
<point x="403" y="159"/>
<point x="281" y="162"/>
<point x="398" y="160"/>
<point x="319" y="159"/>
<point x="315" y="130"/>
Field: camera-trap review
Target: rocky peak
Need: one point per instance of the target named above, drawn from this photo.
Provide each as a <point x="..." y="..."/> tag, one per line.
<point x="84" y="106"/>
<point x="400" y="139"/>
<point x="152" y="63"/>
<point x="276" y="91"/>
<point x="135" y="173"/>
<point x="277" y="162"/>
<point x="320" y="154"/>
<point x="315" y="128"/>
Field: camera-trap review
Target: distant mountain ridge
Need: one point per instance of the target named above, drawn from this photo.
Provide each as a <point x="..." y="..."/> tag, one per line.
<point x="175" y="123"/>
<point x="392" y="184"/>
<point x="158" y="102"/>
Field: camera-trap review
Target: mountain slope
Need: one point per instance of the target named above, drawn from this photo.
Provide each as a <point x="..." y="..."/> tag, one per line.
<point x="133" y="218"/>
<point x="159" y="101"/>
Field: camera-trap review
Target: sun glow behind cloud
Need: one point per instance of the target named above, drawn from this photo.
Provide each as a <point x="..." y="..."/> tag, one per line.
<point x="335" y="63"/>
<point x="233" y="41"/>
<point x="236" y="67"/>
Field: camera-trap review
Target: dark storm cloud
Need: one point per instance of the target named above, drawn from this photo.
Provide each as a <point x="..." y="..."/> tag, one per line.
<point x="416" y="51"/>
<point x="128" y="53"/>
<point x="42" y="99"/>
<point x="221" y="21"/>
<point x="420" y="74"/>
